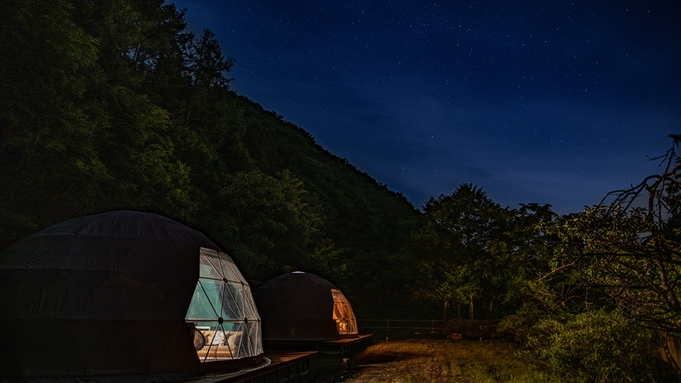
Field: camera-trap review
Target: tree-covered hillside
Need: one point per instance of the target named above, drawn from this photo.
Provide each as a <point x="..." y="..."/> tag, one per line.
<point x="112" y="104"/>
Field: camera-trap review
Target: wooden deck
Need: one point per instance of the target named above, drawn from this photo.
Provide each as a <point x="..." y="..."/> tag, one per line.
<point x="278" y="365"/>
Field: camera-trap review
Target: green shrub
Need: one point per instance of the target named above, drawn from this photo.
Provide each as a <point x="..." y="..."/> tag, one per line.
<point x="596" y="346"/>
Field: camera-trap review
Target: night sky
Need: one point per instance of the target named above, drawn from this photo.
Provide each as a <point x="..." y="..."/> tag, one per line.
<point x="554" y="102"/>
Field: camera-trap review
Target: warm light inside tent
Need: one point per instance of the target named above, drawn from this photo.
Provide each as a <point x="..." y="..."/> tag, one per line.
<point x="343" y="314"/>
<point x="222" y="315"/>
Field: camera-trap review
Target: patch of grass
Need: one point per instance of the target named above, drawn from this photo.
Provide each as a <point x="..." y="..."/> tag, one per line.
<point x="489" y="361"/>
<point x="427" y="360"/>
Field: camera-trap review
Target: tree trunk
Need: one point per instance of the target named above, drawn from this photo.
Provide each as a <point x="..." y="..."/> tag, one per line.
<point x="491" y="307"/>
<point x="444" y="309"/>
<point x="471" y="312"/>
<point x="458" y="311"/>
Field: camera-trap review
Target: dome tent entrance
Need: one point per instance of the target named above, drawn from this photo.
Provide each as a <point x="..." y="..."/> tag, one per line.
<point x="298" y="306"/>
<point x="222" y="316"/>
<point x="346" y="323"/>
<point x="112" y="294"/>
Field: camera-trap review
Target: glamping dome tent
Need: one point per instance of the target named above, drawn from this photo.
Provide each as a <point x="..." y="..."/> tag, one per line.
<point x="303" y="306"/>
<point x="123" y="296"/>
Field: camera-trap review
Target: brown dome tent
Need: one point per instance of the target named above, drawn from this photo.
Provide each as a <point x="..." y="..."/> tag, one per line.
<point x="303" y="306"/>
<point x="123" y="296"/>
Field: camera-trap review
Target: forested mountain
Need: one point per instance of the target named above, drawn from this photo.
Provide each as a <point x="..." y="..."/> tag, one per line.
<point x="112" y="104"/>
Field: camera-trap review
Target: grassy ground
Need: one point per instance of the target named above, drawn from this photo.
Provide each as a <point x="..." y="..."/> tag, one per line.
<point x="425" y="360"/>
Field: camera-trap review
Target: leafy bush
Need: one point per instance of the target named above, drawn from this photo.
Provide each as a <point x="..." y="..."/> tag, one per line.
<point x="596" y="346"/>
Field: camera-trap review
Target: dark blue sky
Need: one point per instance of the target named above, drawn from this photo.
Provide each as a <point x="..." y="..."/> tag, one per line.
<point x="553" y="102"/>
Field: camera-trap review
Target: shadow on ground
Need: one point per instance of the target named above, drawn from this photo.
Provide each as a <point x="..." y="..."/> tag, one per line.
<point x="385" y="357"/>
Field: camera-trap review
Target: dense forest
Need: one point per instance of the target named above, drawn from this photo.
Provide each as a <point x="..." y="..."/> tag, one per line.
<point x="113" y="104"/>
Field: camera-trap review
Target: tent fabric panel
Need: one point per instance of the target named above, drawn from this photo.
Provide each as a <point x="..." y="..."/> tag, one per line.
<point x="231" y="299"/>
<point x="291" y="309"/>
<point x="251" y="342"/>
<point x="218" y="265"/>
<point x="231" y="271"/>
<point x="299" y="279"/>
<point x="299" y="329"/>
<point x="130" y="224"/>
<point x="247" y="303"/>
<point x="36" y="252"/>
<point x="92" y="347"/>
<point x="209" y="264"/>
<point x="135" y="286"/>
<point x="296" y="302"/>
<point x="98" y="253"/>
<point x="201" y="308"/>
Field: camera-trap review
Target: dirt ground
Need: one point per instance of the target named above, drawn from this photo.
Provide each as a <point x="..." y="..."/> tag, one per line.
<point x="402" y="361"/>
<point x="420" y="360"/>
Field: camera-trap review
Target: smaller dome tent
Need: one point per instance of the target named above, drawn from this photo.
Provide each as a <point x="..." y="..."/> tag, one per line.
<point x="123" y="296"/>
<point x="304" y="306"/>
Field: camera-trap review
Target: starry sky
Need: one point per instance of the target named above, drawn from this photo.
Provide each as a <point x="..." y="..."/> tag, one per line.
<point x="553" y="102"/>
